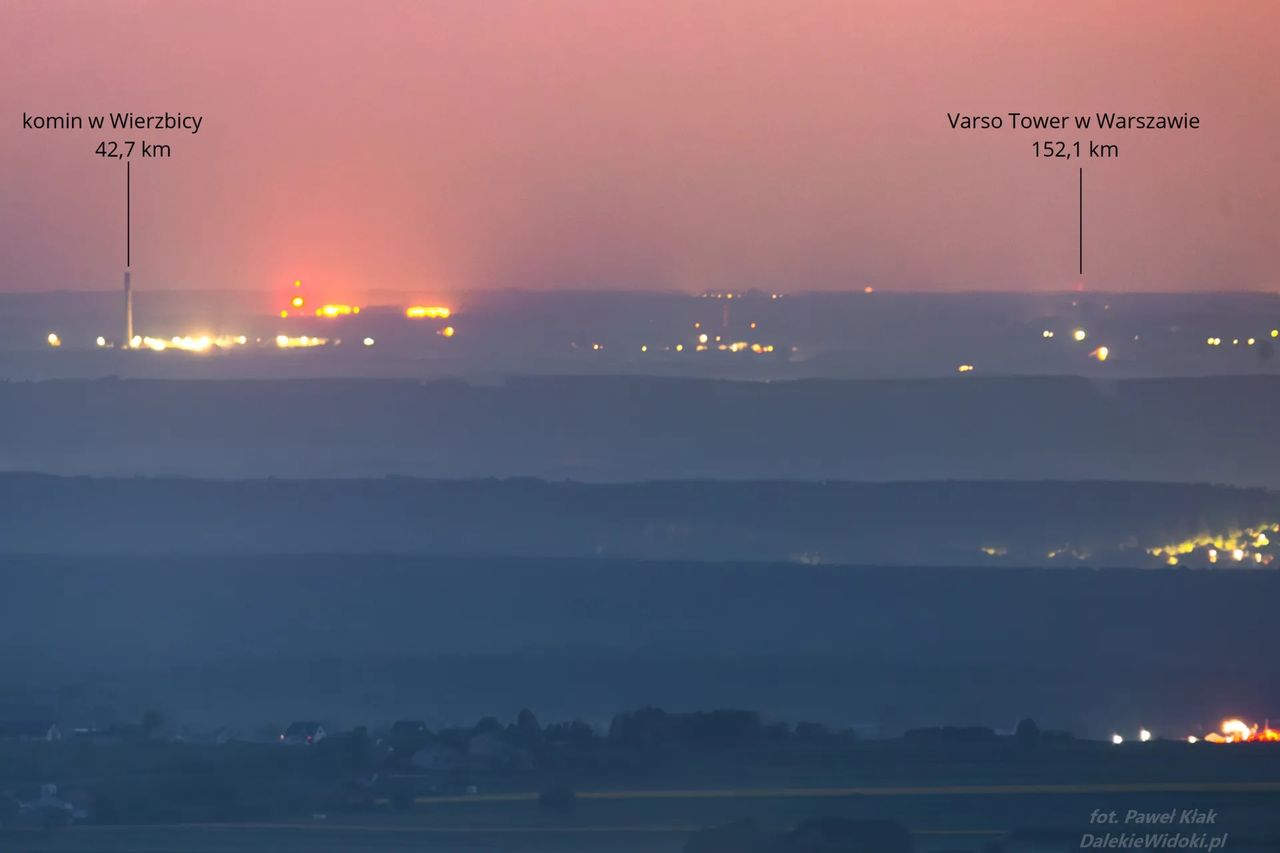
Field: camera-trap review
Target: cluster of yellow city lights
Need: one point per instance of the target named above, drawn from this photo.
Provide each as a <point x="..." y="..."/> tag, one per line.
<point x="202" y="343"/>
<point x="1101" y="353"/>
<point x="964" y="368"/>
<point x="209" y="343"/>
<point x="434" y="312"/>
<point x="300" y="342"/>
<point x="329" y="310"/>
<point x="729" y="294"/>
<point x="1249" y="546"/>
<point x="332" y="310"/>
<point x="187" y="343"/>
<point x="1215" y="341"/>
<point x="337" y="310"/>
<point x="184" y="343"/>
<point x="705" y="343"/>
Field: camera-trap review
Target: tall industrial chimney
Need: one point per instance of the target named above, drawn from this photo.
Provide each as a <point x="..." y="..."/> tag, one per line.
<point x="128" y="310"/>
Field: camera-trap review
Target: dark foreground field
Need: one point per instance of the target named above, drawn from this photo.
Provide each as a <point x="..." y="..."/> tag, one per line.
<point x="970" y="797"/>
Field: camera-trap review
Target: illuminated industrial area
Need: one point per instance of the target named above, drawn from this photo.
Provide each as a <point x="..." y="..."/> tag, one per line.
<point x="296" y="311"/>
<point x="1232" y="730"/>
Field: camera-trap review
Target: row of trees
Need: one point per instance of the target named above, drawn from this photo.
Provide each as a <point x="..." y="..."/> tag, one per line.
<point x="643" y="728"/>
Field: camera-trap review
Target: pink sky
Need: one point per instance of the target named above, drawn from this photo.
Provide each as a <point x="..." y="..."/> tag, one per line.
<point x="640" y="144"/>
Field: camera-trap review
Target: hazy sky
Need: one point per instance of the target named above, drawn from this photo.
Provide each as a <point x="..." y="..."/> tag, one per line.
<point x="639" y="144"/>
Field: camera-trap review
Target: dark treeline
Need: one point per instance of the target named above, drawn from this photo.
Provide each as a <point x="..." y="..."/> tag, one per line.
<point x="941" y="523"/>
<point x="157" y="770"/>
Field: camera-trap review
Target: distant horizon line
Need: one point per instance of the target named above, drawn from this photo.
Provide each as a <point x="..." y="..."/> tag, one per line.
<point x="691" y="294"/>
